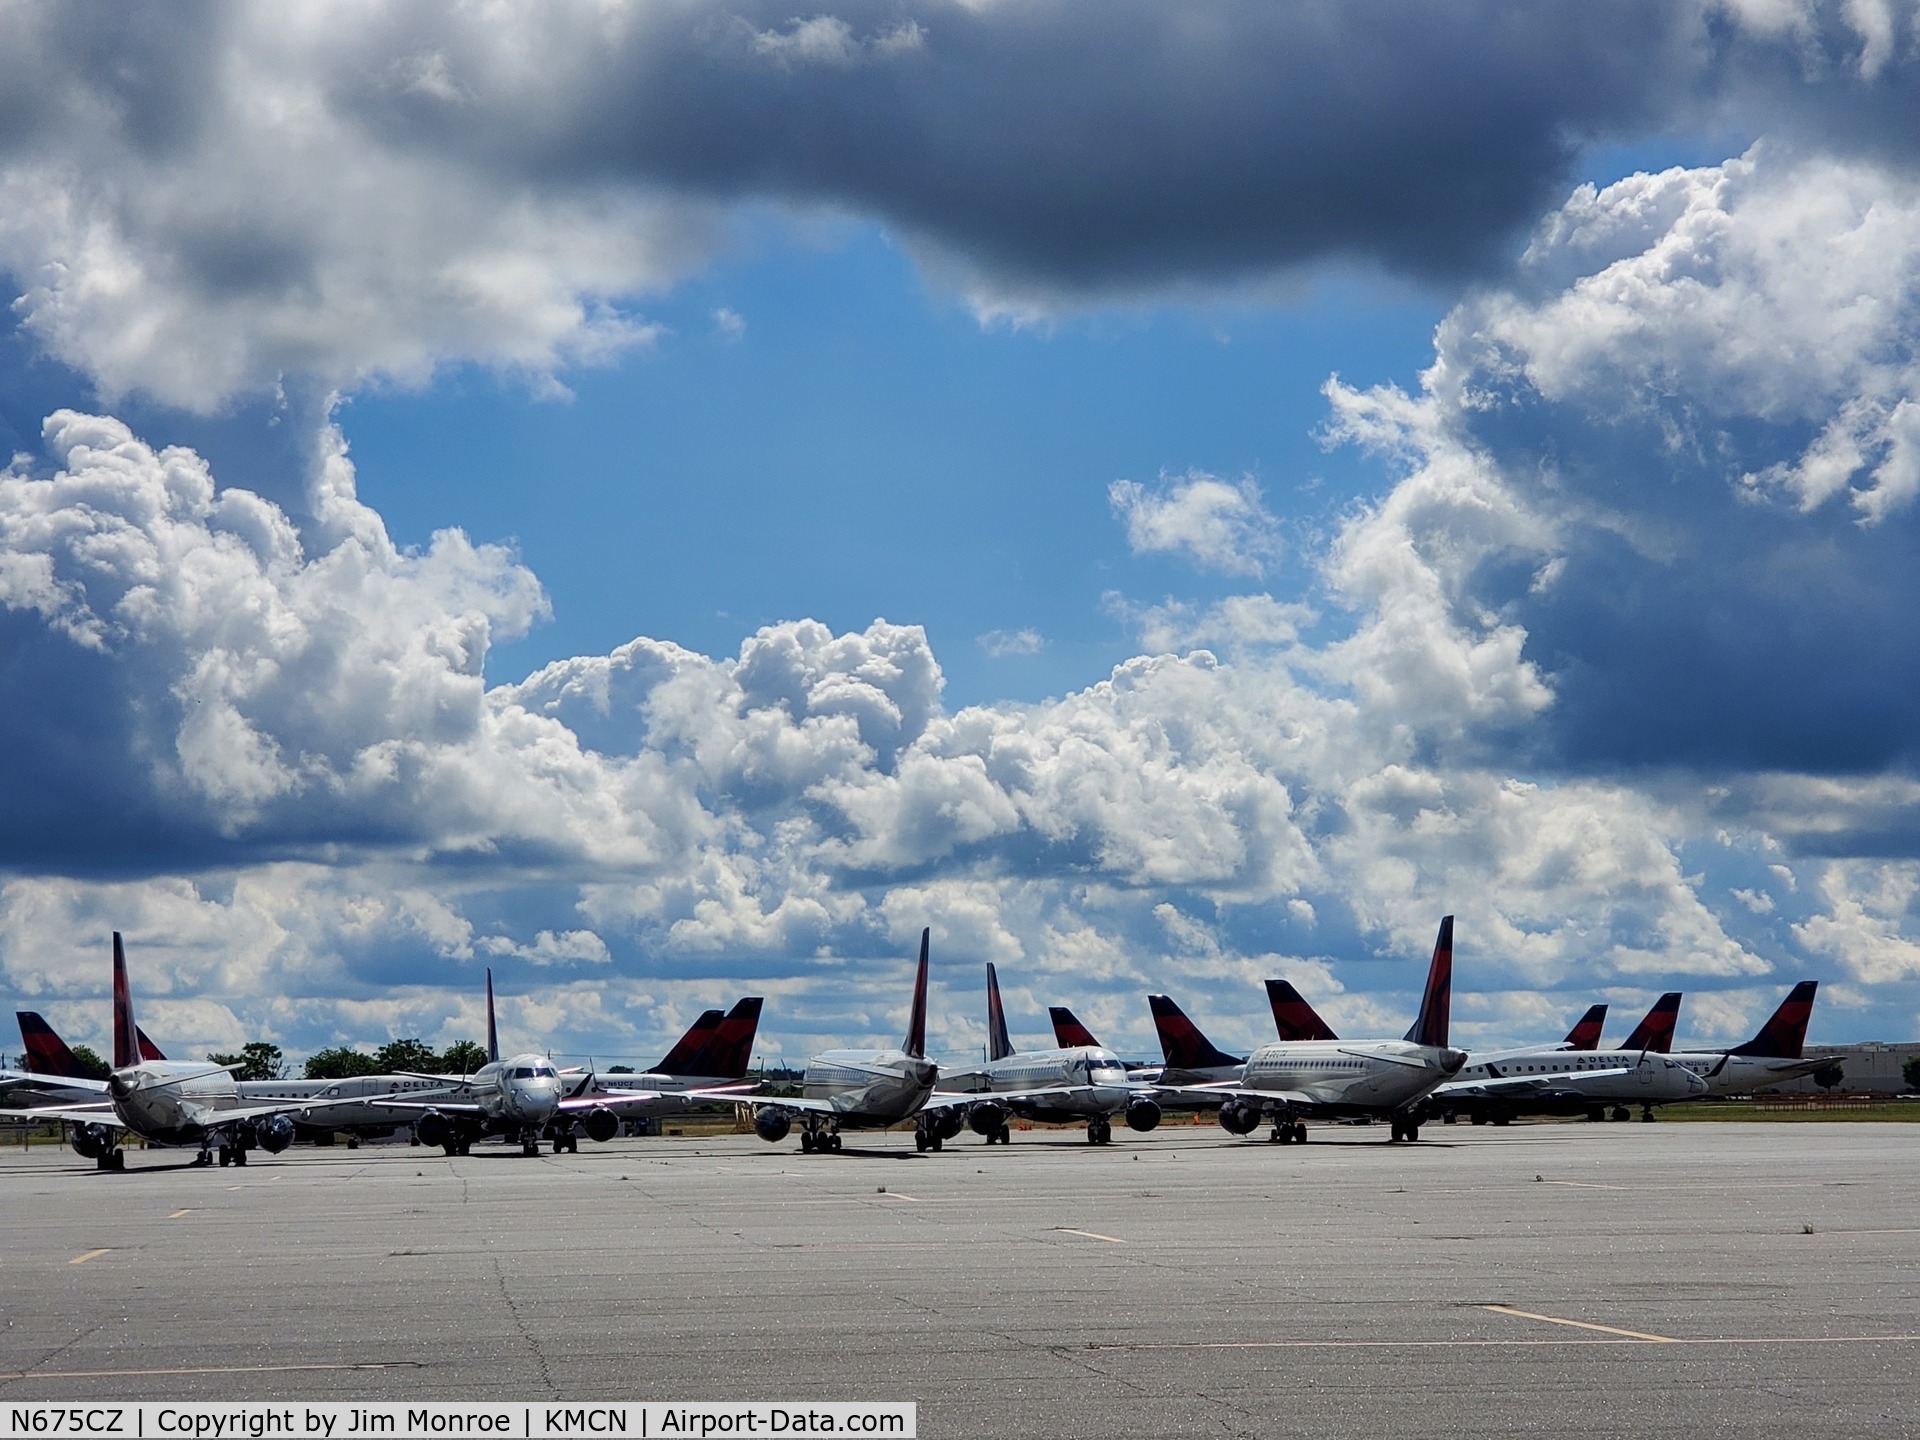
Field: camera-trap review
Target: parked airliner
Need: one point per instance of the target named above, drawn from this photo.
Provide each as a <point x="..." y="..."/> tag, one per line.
<point x="868" y="1090"/>
<point x="171" y="1102"/>
<point x="1063" y="1086"/>
<point x="1374" y="1078"/>
<point x="1772" y="1055"/>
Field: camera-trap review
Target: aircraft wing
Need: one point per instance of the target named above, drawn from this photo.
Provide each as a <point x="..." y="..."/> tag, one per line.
<point x="15" y="1081"/>
<point x="1220" y="1092"/>
<point x="1038" y="1095"/>
<point x="445" y="1107"/>
<point x="618" y="1099"/>
<point x="1523" y="1085"/>
<point x="102" y="1114"/>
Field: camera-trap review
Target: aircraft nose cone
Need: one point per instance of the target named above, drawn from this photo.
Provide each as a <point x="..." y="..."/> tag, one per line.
<point x="1695" y="1085"/>
<point x="1451" y="1060"/>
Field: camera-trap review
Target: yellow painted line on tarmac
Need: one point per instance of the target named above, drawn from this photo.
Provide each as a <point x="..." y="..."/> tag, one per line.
<point x="206" y="1370"/>
<point x="1089" y="1234"/>
<point x="1577" y="1324"/>
<point x="178" y="1213"/>
<point x="90" y="1255"/>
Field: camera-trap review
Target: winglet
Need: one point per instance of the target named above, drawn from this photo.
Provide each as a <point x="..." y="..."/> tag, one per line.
<point x="1068" y="1032"/>
<point x="1181" y="1042"/>
<point x="1430" y="1027"/>
<point x="1655" y="1032"/>
<point x="493" y="1032"/>
<point x="730" y="1047"/>
<point x="1585" y="1034"/>
<point x="1785" y="1033"/>
<point x="126" y="1034"/>
<point x="1293" y="1017"/>
<point x="999" y="1046"/>
<point x="679" y="1060"/>
<point x="916" y="1043"/>
<point x="47" y="1053"/>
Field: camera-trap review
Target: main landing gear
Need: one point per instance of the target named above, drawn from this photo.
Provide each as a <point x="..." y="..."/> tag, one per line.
<point x="1288" y="1133"/>
<point x="1099" y="1131"/>
<point x="823" y="1142"/>
<point x="112" y="1160"/>
<point x="1407" y="1129"/>
<point x="566" y="1142"/>
<point x="1002" y="1136"/>
<point x="1646" y="1113"/>
<point x="229" y="1155"/>
<point x="923" y="1139"/>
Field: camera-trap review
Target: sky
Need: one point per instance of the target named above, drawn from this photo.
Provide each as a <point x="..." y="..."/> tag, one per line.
<point x="665" y="501"/>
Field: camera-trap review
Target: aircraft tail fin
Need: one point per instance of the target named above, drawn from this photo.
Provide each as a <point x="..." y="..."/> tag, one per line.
<point x="126" y="1034"/>
<point x="1585" y="1034"/>
<point x="1068" y="1032"/>
<point x="1293" y="1017"/>
<point x="148" y="1050"/>
<point x="47" y="1053"/>
<point x="679" y="1060"/>
<point x="999" y="1045"/>
<point x="916" y="1042"/>
<point x="1785" y="1032"/>
<point x="1655" y="1032"/>
<point x="1430" y="1026"/>
<point x="493" y="1031"/>
<point x="1181" y="1042"/>
<point x="728" y="1050"/>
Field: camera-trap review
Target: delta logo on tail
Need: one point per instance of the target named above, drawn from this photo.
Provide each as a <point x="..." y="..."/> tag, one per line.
<point x="1293" y="1017"/>
<point x="1784" y="1035"/>
<point x="999" y="1043"/>
<point x="47" y="1053"/>
<point x="679" y="1060"/>
<point x="1585" y="1034"/>
<point x="1430" y="1028"/>
<point x="1655" y="1032"/>
<point x="1068" y="1032"/>
<point x="726" y="1054"/>
<point x="1181" y="1042"/>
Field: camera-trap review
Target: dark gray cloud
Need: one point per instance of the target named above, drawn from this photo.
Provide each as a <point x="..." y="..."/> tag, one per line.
<point x="283" y="191"/>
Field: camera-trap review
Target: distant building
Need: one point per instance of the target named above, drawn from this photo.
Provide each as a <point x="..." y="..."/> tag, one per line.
<point x="1872" y="1067"/>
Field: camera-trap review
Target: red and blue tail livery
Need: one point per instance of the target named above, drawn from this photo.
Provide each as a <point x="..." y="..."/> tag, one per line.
<point x="1430" y="1028"/>
<point x="1293" y="1017"/>
<point x="1655" y="1032"/>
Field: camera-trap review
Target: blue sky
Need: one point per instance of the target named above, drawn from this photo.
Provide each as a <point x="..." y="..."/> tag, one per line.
<point x="1312" y="481"/>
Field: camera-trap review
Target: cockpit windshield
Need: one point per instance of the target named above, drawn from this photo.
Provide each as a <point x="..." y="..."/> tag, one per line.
<point x="534" y="1072"/>
<point x="1106" y="1065"/>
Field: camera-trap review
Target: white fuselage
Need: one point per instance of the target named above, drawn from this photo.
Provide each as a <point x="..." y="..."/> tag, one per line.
<point x="1091" y="1079"/>
<point x="1742" y="1074"/>
<point x="346" y="1117"/>
<point x="1368" y="1076"/>
<point x="1601" y="1076"/>
<point x="515" y="1095"/>
<point x="156" y="1104"/>
<point x="869" y="1088"/>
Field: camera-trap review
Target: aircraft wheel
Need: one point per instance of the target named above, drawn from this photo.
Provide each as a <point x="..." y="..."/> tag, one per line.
<point x="1646" y="1114"/>
<point x="806" y="1142"/>
<point x="835" y="1142"/>
<point x="353" y="1142"/>
<point x="920" y="1140"/>
<point x="226" y="1157"/>
<point x="938" y="1143"/>
<point x="1620" y="1112"/>
<point x="239" y="1154"/>
<point x="1006" y="1135"/>
<point x="1413" y="1132"/>
<point x="1299" y="1132"/>
<point x="1278" y="1136"/>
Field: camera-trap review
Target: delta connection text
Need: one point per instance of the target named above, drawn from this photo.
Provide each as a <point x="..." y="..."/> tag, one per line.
<point x="606" y="1420"/>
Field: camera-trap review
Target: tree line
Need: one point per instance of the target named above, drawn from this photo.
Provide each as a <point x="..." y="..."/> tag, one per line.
<point x="263" y="1060"/>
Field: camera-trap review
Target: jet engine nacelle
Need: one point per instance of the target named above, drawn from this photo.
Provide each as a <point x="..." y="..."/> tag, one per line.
<point x="1237" y="1119"/>
<point x="90" y="1142"/>
<point x="601" y="1124"/>
<point x="274" y="1134"/>
<point x="1143" y="1114"/>
<point x="946" y="1123"/>
<point x="772" y="1126"/>
<point x="433" y="1128"/>
<point x="987" y="1119"/>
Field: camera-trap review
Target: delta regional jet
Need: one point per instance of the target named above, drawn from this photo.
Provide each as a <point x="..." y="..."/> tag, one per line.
<point x="1075" y="1082"/>
<point x="524" y="1098"/>
<point x="169" y="1102"/>
<point x="1294" y="1079"/>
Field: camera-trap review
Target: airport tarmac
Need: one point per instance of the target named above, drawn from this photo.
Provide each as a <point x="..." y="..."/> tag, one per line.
<point x="1593" y="1280"/>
